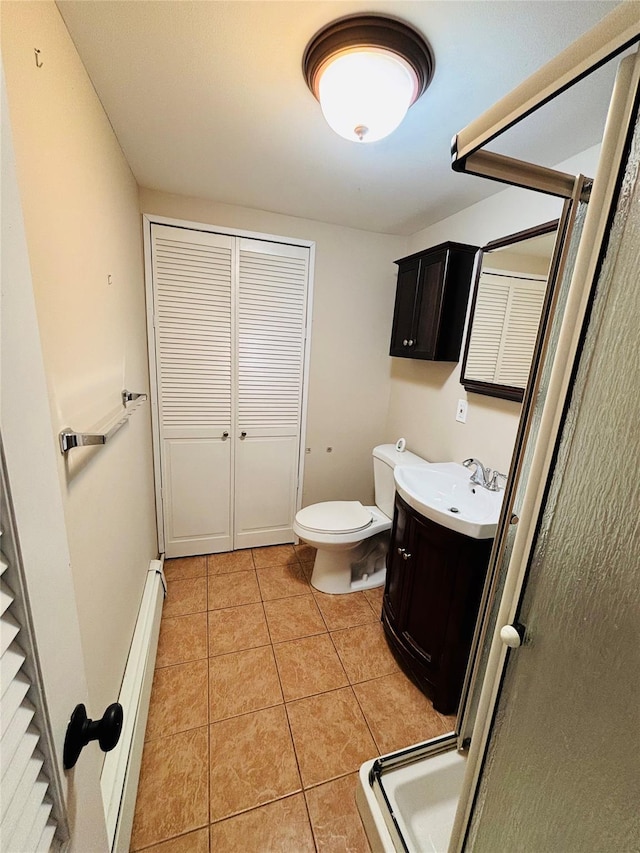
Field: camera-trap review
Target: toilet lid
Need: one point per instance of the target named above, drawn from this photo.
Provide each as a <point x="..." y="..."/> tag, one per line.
<point x="335" y="517"/>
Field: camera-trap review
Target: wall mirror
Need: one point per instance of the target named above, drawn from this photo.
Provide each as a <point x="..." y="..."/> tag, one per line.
<point x="508" y="298"/>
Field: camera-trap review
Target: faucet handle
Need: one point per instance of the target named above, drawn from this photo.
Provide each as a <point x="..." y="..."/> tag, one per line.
<point x="494" y="485"/>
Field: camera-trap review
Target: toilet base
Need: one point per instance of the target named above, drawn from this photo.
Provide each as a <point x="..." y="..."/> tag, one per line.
<point x="352" y="569"/>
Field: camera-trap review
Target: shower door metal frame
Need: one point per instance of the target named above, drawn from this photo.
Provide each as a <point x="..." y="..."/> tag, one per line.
<point x="613" y="35"/>
<point x="622" y="113"/>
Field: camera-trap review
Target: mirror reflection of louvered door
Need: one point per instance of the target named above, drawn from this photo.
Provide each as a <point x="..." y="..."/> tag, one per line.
<point x="505" y="326"/>
<point x="229" y="331"/>
<point x="270" y="346"/>
<point x="192" y="282"/>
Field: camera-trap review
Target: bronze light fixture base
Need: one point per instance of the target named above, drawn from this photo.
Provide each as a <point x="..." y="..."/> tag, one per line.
<point x="374" y="31"/>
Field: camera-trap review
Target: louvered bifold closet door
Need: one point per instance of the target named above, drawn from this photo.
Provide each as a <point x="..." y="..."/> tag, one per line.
<point x="272" y="297"/>
<point x="26" y="824"/>
<point x="192" y="283"/>
<point x="505" y="325"/>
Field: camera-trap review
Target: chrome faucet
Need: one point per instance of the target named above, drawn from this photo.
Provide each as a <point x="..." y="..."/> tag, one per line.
<point x="484" y="477"/>
<point x="481" y="474"/>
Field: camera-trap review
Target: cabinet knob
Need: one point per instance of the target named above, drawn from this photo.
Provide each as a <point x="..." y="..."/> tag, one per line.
<point x="243" y="435"/>
<point x="401" y="551"/>
<point x="411" y="343"/>
<point x="225" y="435"/>
<point x="406" y="556"/>
<point x="405" y="342"/>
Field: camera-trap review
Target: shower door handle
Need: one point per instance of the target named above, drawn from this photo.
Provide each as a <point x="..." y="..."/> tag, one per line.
<point x="513" y="635"/>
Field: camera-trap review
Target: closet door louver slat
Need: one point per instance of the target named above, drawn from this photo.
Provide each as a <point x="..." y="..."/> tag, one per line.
<point x="271" y="321"/>
<point x="521" y="329"/>
<point x="186" y="311"/>
<point x="26" y="824"/>
<point x="488" y="322"/>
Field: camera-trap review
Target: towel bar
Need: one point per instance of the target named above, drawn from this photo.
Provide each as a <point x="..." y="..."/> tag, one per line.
<point x="69" y="438"/>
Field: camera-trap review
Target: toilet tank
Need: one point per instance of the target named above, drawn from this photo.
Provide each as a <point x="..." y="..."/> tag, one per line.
<point x="385" y="459"/>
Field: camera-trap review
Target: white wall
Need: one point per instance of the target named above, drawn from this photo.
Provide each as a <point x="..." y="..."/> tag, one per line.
<point x="354" y="289"/>
<point x="82" y="225"/>
<point x="30" y="457"/>
<point x="424" y="395"/>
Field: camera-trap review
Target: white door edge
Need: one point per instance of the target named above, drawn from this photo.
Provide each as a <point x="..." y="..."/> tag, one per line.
<point x="153" y="381"/>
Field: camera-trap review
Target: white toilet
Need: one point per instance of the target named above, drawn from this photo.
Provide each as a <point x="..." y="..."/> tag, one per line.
<point x="352" y="539"/>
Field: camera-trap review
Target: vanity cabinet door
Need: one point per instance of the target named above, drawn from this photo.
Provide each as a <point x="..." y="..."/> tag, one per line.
<point x="431" y="302"/>
<point x="424" y="626"/>
<point x="431" y="600"/>
<point x="397" y="567"/>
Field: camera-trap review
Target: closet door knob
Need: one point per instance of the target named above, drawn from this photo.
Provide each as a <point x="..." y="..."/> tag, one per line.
<point x="243" y="435"/>
<point x="225" y="436"/>
<point x="81" y="730"/>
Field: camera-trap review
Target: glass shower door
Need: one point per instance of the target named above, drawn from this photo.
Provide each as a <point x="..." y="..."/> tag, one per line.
<point x="560" y="771"/>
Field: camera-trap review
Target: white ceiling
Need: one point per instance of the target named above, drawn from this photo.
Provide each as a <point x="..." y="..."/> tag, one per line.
<point x="208" y="99"/>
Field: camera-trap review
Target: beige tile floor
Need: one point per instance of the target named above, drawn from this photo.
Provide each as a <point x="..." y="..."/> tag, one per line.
<point x="267" y="697"/>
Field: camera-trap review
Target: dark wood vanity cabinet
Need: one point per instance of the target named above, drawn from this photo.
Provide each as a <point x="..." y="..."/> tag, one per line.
<point x="431" y="600"/>
<point x="431" y="302"/>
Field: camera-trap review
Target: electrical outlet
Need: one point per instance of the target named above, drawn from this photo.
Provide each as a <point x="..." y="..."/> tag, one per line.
<point x="461" y="411"/>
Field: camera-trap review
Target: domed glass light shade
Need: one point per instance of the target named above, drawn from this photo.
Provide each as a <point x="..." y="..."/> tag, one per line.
<point x="365" y="94"/>
<point x="366" y="71"/>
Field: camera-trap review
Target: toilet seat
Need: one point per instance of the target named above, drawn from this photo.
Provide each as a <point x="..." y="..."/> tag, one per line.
<point x="335" y="517"/>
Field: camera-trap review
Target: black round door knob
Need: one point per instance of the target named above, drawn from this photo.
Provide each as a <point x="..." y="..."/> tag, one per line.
<point x="81" y="730"/>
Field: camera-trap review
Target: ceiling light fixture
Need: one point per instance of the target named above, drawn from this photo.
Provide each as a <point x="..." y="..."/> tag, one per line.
<point x="366" y="71"/>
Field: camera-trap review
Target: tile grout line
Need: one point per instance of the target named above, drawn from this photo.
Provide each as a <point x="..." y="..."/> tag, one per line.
<point x="293" y="742"/>
<point x="209" y="763"/>
<point x="311" y="826"/>
<point x="366" y="721"/>
<point x="266" y="622"/>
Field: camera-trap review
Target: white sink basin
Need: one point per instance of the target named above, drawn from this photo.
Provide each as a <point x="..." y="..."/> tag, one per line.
<point x="444" y="493"/>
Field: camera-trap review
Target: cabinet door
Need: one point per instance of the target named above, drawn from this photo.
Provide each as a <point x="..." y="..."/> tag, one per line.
<point x="402" y="330"/>
<point x="433" y="563"/>
<point x="426" y="321"/>
<point x="397" y="566"/>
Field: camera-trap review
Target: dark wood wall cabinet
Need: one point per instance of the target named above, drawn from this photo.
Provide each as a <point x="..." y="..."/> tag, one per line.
<point x="431" y="600"/>
<point x="431" y="302"/>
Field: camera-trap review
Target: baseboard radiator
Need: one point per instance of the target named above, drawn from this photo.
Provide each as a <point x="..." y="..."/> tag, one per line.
<point x="121" y="769"/>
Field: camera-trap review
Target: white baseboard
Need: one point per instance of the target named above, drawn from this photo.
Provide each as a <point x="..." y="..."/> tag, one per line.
<point x="121" y="769"/>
